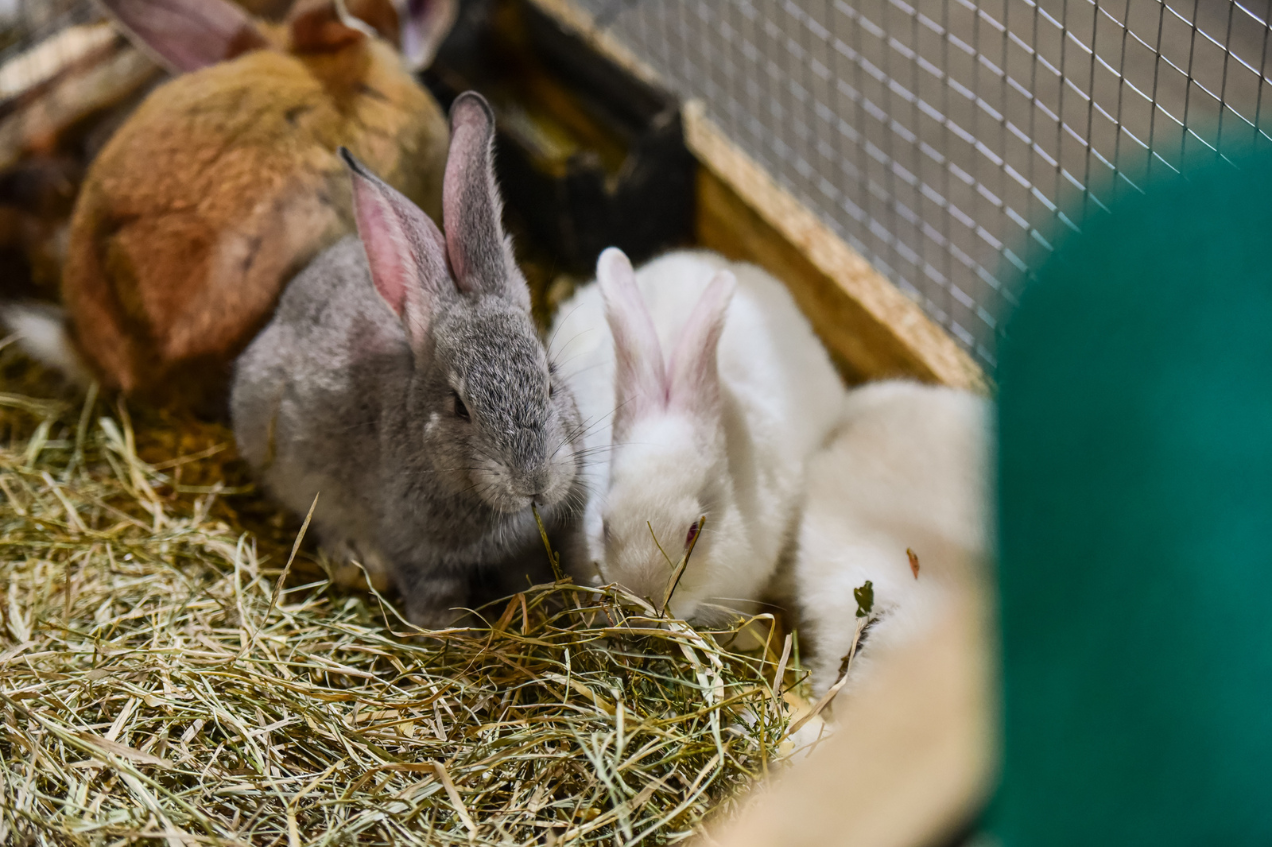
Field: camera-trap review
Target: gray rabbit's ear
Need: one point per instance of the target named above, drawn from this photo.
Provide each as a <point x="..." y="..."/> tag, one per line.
<point x="480" y="254"/>
<point x="405" y="251"/>
<point x="693" y="375"/>
<point x="640" y="377"/>
<point x="186" y="35"/>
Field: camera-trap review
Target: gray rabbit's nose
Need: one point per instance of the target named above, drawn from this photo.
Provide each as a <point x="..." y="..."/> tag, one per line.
<point x="533" y="484"/>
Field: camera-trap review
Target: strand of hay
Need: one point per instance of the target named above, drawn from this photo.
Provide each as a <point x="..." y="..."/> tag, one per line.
<point x="160" y="683"/>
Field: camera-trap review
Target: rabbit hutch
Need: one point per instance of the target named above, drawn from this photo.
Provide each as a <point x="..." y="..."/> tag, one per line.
<point x="180" y="664"/>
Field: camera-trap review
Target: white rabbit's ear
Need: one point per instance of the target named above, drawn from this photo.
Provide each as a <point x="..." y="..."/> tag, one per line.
<point x="405" y="250"/>
<point x="186" y="35"/>
<point x="479" y="252"/>
<point x="694" y="379"/>
<point x="640" y="378"/>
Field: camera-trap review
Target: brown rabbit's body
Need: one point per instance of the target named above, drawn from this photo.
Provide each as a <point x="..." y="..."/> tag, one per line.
<point x="220" y="187"/>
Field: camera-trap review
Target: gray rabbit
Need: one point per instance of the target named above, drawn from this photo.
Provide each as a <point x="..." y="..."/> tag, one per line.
<point x="403" y="382"/>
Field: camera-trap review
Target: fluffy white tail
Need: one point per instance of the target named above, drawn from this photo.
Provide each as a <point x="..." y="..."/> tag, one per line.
<point x="41" y="332"/>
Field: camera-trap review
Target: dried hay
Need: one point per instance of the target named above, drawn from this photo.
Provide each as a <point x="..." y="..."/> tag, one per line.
<point x="162" y="682"/>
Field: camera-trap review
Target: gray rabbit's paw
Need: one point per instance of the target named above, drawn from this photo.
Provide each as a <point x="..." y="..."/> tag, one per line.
<point x="436" y="603"/>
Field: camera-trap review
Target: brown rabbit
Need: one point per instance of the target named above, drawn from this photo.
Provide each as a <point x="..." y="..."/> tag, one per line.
<point x="225" y="181"/>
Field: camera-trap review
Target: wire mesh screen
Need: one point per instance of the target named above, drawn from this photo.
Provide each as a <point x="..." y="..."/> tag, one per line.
<point x="948" y="141"/>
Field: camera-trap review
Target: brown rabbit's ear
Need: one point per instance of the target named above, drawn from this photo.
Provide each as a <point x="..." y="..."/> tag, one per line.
<point x="186" y="35"/>
<point x="405" y="251"/>
<point x="318" y="26"/>
<point x="381" y="15"/>
<point x="425" y="24"/>
<point x="479" y="252"/>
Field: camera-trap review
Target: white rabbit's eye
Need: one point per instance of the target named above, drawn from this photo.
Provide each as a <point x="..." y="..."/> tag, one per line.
<point x="461" y="411"/>
<point x="691" y="535"/>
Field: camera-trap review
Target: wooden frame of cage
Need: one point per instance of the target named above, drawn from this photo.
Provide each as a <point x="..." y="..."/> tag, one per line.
<point x="873" y="330"/>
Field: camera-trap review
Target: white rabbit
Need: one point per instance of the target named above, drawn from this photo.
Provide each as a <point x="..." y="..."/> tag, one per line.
<point x="906" y="471"/>
<point x="720" y="429"/>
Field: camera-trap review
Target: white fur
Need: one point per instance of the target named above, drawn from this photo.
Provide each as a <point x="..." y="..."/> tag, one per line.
<point x="42" y="334"/>
<point x="780" y="397"/>
<point x="906" y="469"/>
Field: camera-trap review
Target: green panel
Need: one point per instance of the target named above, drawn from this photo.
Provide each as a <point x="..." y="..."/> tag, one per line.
<point x="1136" y="527"/>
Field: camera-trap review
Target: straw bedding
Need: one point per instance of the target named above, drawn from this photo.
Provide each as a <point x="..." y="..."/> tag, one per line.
<point x="176" y="669"/>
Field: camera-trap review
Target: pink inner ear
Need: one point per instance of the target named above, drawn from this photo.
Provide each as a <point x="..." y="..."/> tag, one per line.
<point x="640" y="375"/>
<point x="403" y="247"/>
<point x="388" y="252"/>
<point x="693" y="372"/>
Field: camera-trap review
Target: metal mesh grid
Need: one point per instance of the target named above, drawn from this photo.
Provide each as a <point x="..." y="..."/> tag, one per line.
<point x="948" y="140"/>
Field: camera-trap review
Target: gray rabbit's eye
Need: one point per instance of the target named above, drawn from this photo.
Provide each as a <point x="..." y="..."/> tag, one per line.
<point x="460" y="410"/>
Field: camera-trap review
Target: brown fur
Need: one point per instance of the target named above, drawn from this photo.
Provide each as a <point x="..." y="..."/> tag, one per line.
<point x="219" y="188"/>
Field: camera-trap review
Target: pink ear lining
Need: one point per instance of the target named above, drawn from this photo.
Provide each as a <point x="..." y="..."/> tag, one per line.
<point x="640" y="374"/>
<point x="383" y="236"/>
<point x="692" y="371"/>
<point x="470" y="201"/>
<point x="404" y="249"/>
<point x="387" y="251"/>
<point x="425" y="24"/>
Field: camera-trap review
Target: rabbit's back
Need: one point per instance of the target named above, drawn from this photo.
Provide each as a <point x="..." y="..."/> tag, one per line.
<point x="220" y="188"/>
<point x="906" y="470"/>
<point x="920" y="453"/>
<point x="308" y="400"/>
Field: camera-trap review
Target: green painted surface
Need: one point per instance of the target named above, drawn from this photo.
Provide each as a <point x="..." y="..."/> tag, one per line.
<point x="1136" y="527"/>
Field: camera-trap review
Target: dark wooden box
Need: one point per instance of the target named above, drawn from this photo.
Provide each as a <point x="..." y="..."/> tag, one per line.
<point x="587" y="155"/>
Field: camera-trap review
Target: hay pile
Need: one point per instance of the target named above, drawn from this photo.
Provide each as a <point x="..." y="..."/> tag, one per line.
<point x="161" y="682"/>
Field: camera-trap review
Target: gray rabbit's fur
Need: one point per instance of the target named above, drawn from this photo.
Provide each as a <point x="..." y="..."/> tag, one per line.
<point x="428" y="433"/>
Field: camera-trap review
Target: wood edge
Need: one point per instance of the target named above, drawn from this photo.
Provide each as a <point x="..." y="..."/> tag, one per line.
<point x="881" y="332"/>
<point x="926" y="724"/>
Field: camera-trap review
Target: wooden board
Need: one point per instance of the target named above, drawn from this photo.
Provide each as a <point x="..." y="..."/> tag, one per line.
<point x="873" y="330"/>
<point x="912" y="760"/>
